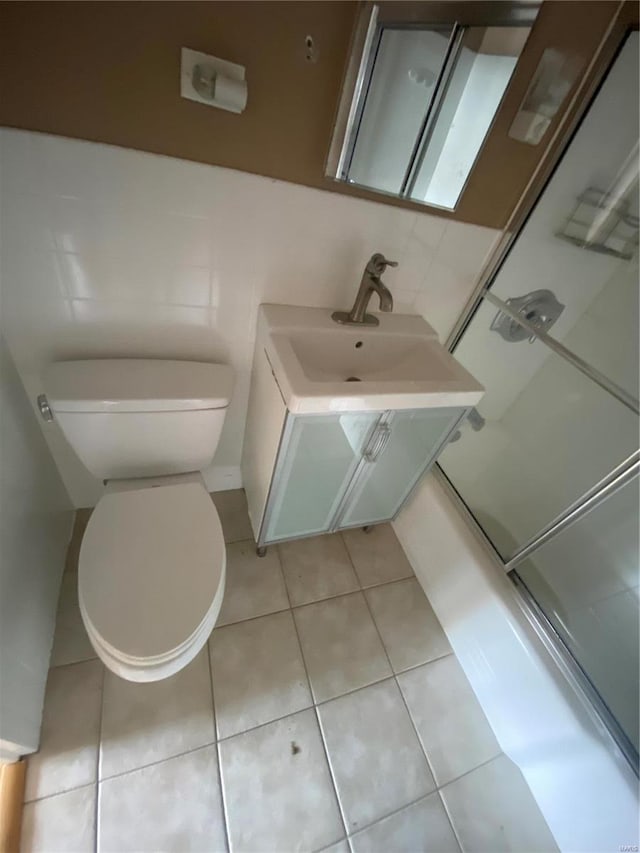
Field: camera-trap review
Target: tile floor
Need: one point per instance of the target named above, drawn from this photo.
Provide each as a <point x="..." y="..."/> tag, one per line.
<point x="327" y="712"/>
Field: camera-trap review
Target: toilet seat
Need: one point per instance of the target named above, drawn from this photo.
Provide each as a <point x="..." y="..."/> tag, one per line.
<point x="151" y="575"/>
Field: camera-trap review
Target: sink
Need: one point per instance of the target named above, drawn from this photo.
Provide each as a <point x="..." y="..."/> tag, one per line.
<point x="322" y="367"/>
<point x="337" y="357"/>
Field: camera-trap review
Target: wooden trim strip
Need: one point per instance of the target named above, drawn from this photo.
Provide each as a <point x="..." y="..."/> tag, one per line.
<point x="12" y="778"/>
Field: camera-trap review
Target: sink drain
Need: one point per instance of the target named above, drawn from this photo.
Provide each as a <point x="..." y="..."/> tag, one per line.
<point x="353" y="379"/>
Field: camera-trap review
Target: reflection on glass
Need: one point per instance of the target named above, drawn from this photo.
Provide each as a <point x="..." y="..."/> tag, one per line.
<point x="596" y="282"/>
<point x="480" y="76"/>
<point x="402" y="85"/>
<point x="549" y="435"/>
<point x="586" y="580"/>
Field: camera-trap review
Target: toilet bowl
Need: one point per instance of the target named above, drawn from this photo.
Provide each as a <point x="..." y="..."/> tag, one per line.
<point x="151" y="574"/>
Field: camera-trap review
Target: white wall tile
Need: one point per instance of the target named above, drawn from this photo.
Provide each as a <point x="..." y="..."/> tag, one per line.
<point x="113" y="252"/>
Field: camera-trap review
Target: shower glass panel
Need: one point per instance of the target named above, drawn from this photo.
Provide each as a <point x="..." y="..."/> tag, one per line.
<point x="586" y="581"/>
<point x="581" y="240"/>
<point x="535" y="465"/>
<point x="549" y="435"/>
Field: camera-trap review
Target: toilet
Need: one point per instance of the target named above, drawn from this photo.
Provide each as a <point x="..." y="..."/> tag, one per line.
<point x="151" y="570"/>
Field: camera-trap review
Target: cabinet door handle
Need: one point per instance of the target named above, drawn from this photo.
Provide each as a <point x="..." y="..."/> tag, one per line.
<point x="378" y="443"/>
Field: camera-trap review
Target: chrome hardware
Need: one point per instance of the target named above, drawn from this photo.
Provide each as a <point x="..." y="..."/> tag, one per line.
<point x="379" y="441"/>
<point x="588" y="370"/>
<point x="369" y="284"/>
<point x="540" y="309"/>
<point x="45" y="408"/>
<point x="379" y="263"/>
<point x="475" y="421"/>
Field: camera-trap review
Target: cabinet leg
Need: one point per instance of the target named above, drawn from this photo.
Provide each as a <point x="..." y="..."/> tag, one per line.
<point x="367" y="528"/>
<point x="261" y="551"/>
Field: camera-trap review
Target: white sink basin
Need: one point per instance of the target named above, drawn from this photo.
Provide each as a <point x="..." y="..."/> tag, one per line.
<point x="321" y="366"/>
<point x="333" y="356"/>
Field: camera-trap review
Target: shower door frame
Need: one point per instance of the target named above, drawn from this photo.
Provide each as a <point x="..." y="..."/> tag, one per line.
<point x="628" y="470"/>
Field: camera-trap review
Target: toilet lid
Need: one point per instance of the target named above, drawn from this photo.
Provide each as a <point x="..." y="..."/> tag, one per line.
<point x="151" y="563"/>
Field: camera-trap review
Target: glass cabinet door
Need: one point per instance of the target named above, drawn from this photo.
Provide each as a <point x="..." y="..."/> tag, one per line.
<point x="317" y="459"/>
<point x="405" y="445"/>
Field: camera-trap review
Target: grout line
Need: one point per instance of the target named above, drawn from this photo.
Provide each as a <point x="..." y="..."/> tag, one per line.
<point x="399" y="689"/>
<point x="159" y="761"/>
<point x="99" y="759"/>
<point x="393" y="813"/>
<point x="223" y="802"/>
<point x="57" y="793"/>
<point x="332" y="775"/>
<point x="124" y="773"/>
<point x="316" y="714"/>
<point x="451" y="782"/>
<point x="73" y="663"/>
<point x="472" y="770"/>
<point x="308" y="604"/>
<point x="217" y="627"/>
<point x="449" y="818"/>
<point x="284" y="578"/>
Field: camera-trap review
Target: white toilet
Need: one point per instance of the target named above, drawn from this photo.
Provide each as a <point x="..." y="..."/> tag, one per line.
<point x="152" y="562"/>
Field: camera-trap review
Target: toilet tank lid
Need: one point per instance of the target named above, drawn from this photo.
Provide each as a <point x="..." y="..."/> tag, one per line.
<point x="137" y="385"/>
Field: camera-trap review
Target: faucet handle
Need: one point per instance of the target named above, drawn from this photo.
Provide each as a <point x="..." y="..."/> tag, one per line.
<point x="380" y="263"/>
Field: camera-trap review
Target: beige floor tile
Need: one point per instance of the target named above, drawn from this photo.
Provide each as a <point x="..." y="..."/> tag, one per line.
<point x="71" y="643"/>
<point x="423" y="826"/>
<point x="493" y="810"/>
<point x="450" y="722"/>
<point x="68" y="755"/>
<point x="254" y="585"/>
<point x="317" y="568"/>
<point x="408" y="626"/>
<point x="234" y="516"/>
<point x="341" y="646"/>
<point x="277" y="788"/>
<point x="61" y="824"/>
<point x="376" y="758"/>
<point x="258" y="673"/>
<point x="174" y="805"/>
<point x="145" y="723"/>
<point x="377" y="555"/>
<point x="79" y="526"/>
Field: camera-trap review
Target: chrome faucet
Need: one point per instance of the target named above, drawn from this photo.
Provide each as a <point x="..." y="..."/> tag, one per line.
<point x="371" y="282"/>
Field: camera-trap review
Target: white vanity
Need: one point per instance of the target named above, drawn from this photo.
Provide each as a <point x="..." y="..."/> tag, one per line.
<point x="343" y="421"/>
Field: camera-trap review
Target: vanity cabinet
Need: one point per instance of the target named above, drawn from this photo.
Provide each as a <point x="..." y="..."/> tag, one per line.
<point x="306" y="474"/>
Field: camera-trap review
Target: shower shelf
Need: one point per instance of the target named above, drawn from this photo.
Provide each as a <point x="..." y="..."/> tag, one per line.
<point x="617" y="234"/>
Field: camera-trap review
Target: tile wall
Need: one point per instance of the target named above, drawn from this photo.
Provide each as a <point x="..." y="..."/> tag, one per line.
<point x="112" y="252"/>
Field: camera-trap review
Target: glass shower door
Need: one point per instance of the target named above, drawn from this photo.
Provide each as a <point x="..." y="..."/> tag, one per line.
<point x="586" y="581"/>
<point x="555" y="342"/>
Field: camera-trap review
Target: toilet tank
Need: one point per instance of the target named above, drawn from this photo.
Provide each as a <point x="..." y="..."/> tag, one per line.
<point x="140" y="417"/>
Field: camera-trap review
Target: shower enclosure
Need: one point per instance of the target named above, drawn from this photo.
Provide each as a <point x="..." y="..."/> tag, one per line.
<point x="548" y="464"/>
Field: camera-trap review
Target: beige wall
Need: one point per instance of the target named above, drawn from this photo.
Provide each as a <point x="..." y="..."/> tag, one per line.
<point x="109" y="72"/>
